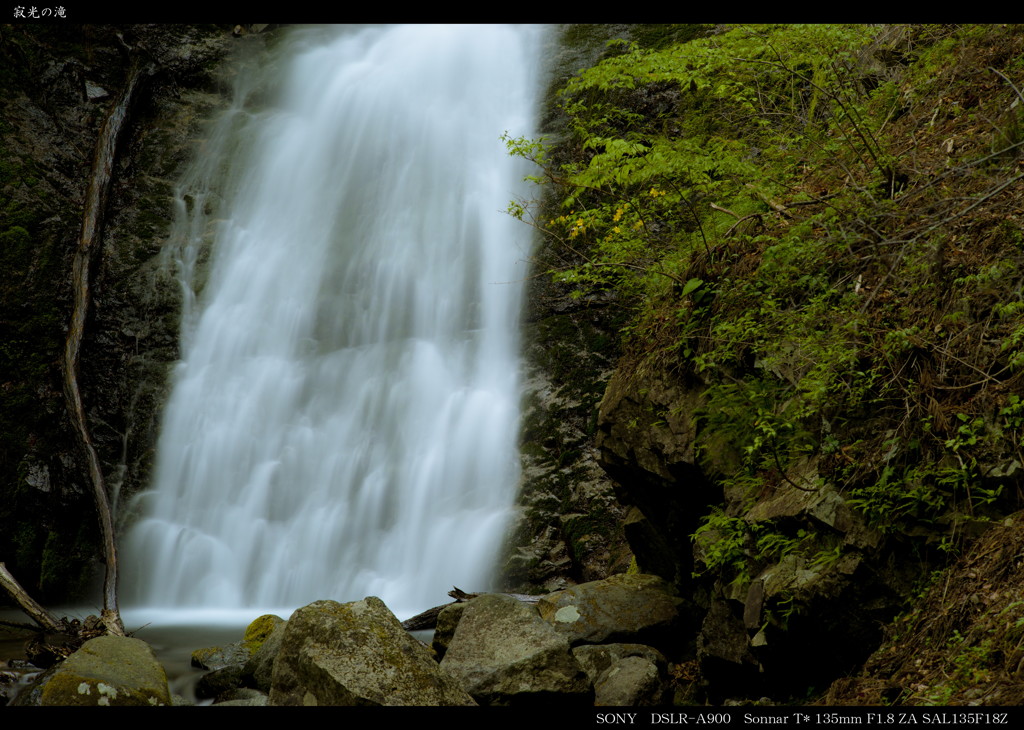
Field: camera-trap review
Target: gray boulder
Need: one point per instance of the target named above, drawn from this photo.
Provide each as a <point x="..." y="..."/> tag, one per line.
<point x="107" y="670"/>
<point x="597" y="659"/>
<point x="219" y="657"/>
<point x="356" y="654"/>
<point x="624" y="675"/>
<point x="623" y="608"/>
<point x="503" y="653"/>
<point x="447" y="621"/>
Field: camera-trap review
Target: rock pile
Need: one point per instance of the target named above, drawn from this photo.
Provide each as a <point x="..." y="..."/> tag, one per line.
<point x="598" y="643"/>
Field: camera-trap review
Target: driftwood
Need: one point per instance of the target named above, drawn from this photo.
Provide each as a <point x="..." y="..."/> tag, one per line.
<point x="428" y="619"/>
<point x="85" y="252"/>
<point x="46" y="620"/>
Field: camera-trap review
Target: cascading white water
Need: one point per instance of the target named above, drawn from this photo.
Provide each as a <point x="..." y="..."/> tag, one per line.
<point x="343" y="421"/>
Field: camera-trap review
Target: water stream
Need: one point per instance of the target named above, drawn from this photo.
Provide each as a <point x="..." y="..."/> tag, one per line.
<point x="343" y="419"/>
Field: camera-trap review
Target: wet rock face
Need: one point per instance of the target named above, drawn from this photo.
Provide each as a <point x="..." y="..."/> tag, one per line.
<point x="569" y="529"/>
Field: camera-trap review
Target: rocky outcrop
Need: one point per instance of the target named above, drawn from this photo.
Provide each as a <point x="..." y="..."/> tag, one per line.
<point x="962" y="643"/>
<point x="646" y="437"/>
<point x="504" y="653"/>
<point x="569" y="526"/>
<point x="356" y="654"/>
<point x="759" y="617"/>
<point x="108" y="670"/>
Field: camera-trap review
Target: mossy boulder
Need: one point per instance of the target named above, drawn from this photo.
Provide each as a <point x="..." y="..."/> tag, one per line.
<point x="108" y="670"/>
<point x="260" y="666"/>
<point x="259" y="631"/>
<point x="356" y="654"/>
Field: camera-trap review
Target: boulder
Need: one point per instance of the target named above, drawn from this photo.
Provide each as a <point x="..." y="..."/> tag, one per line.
<point x="259" y="631"/>
<point x="356" y="654"/>
<point x="504" y="653"/>
<point x="219" y="657"/>
<point x="597" y="659"/>
<point x="220" y="681"/>
<point x="260" y="667"/>
<point x="629" y="682"/>
<point x="623" y="608"/>
<point x="107" y="670"/>
<point x="447" y="622"/>
<point x="242" y="697"/>
<point x="625" y="675"/>
<point x="237" y="664"/>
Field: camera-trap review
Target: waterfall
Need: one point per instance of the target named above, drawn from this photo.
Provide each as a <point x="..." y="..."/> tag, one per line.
<point x="343" y="419"/>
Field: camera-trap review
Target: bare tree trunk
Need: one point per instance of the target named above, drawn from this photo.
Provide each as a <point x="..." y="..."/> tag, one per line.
<point x="88" y="244"/>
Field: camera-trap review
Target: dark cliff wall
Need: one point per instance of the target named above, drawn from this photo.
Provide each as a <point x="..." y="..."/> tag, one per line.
<point x="58" y="82"/>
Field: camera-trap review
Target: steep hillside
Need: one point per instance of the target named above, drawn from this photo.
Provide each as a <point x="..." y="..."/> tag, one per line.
<point x="815" y="236"/>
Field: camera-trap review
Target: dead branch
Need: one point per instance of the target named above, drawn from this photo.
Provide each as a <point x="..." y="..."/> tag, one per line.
<point x="33" y="610"/>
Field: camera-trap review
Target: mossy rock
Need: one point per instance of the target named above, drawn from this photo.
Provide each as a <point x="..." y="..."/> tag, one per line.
<point x="356" y="654"/>
<point x="218" y="657"/>
<point x="259" y="631"/>
<point x="108" y="670"/>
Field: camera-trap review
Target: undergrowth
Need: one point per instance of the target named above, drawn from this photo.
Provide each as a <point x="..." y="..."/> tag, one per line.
<point x="822" y="226"/>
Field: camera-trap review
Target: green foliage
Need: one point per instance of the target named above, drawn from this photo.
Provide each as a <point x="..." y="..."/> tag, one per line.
<point x="769" y="206"/>
<point x="723" y="541"/>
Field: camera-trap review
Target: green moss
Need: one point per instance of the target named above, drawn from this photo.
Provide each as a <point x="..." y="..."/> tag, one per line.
<point x="259" y="631"/>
